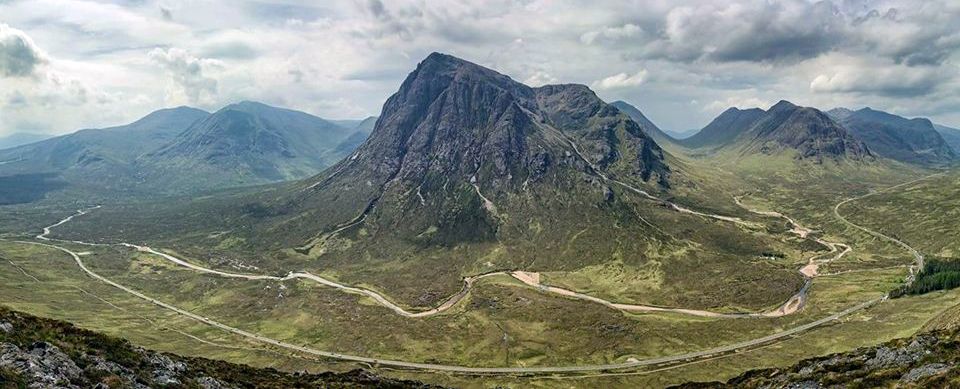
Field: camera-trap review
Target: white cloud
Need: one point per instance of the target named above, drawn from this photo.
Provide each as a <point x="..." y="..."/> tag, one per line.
<point x="19" y="56"/>
<point x="343" y="58"/>
<point x="628" y="30"/>
<point x="540" y="78"/>
<point x="741" y="102"/>
<point x="621" y="80"/>
<point x="190" y="84"/>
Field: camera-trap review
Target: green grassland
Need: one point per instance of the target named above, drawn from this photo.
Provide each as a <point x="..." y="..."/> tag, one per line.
<point x="500" y="324"/>
<point x="701" y="254"/>
<point x="685" y="261"/>
<point x="926" y="214"/>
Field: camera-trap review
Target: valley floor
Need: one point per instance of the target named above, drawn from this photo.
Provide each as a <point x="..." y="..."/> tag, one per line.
<point x="502" y="325"/>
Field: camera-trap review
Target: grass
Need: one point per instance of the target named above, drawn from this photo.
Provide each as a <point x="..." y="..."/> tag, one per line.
<point x="684" y="261"/>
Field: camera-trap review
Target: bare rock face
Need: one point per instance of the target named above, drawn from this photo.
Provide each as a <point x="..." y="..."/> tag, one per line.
<point x="42" y="364"/>
<point x="928" y="360"/>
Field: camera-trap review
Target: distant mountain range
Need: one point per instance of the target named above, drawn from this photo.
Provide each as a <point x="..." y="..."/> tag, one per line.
<point x="840" y="132"/>
<point x="250" y="143"/>
<point x="807" y="132"/>
<point x="180" y="150"/>
<point x="896" y="137"/>
<point x="20" y="138"/>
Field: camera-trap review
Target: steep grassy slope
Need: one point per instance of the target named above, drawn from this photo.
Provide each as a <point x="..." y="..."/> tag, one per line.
<point x="724" y="128"/>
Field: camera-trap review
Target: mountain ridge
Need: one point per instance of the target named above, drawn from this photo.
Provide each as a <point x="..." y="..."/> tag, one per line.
<point x="809" y="132"/>
<point x="896" y="137"/>
<point x="129" y="159"/>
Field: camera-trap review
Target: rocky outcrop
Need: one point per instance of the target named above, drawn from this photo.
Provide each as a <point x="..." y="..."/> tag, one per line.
<point x="927" y="360"/>
<point x="42" y="365"/>
<point x="40" y="353"/>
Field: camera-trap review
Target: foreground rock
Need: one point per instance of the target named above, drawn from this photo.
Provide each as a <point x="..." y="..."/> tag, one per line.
<point x="42" y="353"/>
<point x="929" y="360"/>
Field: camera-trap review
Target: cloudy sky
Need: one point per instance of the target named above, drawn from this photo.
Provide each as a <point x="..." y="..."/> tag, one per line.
<point x="69" y="64"/>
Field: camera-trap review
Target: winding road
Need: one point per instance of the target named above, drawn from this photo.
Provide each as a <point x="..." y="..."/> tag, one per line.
<point x="792" y="305"/>
<point x="527" y="278"/>
<point x="633" y="363"/>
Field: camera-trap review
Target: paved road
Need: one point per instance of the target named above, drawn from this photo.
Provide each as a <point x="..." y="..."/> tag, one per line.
<point x="736" y="347"/>
<point x="632" y="363"/>
<point x="918" y="257"/>
<point x="792" y="305"/>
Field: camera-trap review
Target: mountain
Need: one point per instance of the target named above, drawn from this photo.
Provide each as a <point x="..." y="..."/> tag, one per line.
<point x="950" y="135"/>
<point x="181" y="150"/>
<point x="725" y="128"/>
<point x="461" y="161"/>
<point x="807" y="132"/>
<point x="249" y="143"/>
<point x="365" y="125"/>
<point x="648" y="127"/>
<point x="97" y="159"/>
<point x="457" y="134"/>
<point x="896" y="137"/>
<point x="107" y="145"/>
<point x="20" y="138"/>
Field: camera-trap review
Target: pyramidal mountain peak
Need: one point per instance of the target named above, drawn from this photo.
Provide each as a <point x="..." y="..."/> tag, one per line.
<point x="460" y="145"/>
